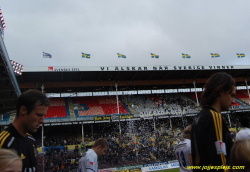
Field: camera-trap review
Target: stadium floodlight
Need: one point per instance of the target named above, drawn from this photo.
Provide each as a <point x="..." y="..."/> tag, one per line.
<point x="17" y="68"/>
<point x="3" y="26"/>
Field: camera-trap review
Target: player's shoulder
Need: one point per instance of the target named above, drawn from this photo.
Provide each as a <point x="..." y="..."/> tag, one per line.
<point x="5" y="139"/>
<point x="30" y="137"/>
<point x="90" y="154"/>
<point x="205" y="114"/>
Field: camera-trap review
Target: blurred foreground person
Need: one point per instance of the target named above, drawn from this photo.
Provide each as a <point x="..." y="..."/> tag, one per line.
<point x="240" y="155"/>
<point x="88" y="162"/>
<point x="10" y="161"/>
<point x="32" y="106"/>
<point x="210" y="138"/>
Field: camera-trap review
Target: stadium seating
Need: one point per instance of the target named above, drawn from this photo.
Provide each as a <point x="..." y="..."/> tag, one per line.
<point x="92" y="106"/>
<point x="243" y="96"/>
<point x="6" y="118"/>
<point x="161" y="104"/>
<point x="57" y="108"/>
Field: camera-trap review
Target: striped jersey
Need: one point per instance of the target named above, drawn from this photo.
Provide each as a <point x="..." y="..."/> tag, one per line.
<point x="25" y="147"/>
<point x="211" y="141"/>
<point x="183" y="152"/>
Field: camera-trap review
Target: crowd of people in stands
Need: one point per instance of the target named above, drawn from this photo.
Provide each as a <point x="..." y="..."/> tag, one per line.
<point x="142" y="146"/>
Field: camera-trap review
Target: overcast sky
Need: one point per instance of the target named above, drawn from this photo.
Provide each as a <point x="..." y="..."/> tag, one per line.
<point x="134" y="28"/>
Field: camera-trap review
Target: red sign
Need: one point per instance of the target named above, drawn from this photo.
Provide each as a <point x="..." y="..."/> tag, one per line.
<point x="50" y="68"/>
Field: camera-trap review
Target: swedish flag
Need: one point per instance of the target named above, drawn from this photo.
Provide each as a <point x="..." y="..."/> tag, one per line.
<point x="121" y="56"/>
<point x="214" y="55"/>
<point x="86" y="56"/>
<point x="154" y="56"/>
<point x="240" y="55"/>
<point x="186" y="56"/>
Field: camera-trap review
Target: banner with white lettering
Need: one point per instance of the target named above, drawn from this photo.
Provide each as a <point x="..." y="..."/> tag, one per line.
<point x="127" y="68"/>
<point x="160" y="167"/>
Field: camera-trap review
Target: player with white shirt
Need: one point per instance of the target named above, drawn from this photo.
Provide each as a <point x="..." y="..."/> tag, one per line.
<point x="183" y="151"/>
<point x="244" y="133"/>
<point x="88" y="162"/>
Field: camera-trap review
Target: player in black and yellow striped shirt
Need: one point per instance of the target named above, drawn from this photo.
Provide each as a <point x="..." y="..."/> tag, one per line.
<point x="210" y="138"/>
<point x="32" y="106"/>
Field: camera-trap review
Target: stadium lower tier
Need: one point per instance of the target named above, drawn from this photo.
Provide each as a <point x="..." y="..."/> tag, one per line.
<point x="164" y="104"/>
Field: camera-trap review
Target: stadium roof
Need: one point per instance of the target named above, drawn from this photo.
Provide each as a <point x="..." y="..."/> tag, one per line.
<point x="9" y="89"/>
<point x="93" y="81"/>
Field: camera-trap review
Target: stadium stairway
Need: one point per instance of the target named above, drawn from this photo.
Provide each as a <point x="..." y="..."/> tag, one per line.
<point x="186" y="96"/>
<point x="241" y="102"/>
<point x="127" y="106"/>
<point x="71" y="108"/>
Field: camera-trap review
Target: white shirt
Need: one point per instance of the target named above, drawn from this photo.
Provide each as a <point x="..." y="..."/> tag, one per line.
<point x="88" y="162"/>
<point x="183" y="150"/>
<point x="244" y="133"/>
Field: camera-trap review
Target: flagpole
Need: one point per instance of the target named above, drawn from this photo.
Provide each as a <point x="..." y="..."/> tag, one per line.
<point x="211" y="61"/>
<point x="42" y="60"/>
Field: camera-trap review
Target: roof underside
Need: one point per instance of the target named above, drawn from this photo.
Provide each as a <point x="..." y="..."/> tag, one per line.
<point x="61" y="82"/>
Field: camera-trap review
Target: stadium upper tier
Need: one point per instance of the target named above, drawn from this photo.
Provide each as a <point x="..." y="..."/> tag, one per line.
<point x="70" y="108"/>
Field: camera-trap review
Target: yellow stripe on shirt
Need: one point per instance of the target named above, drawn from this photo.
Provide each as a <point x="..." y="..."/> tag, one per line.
<point x="218" y="128"/>
<point x="4" y="140"/>
<point x="3" y="134"/>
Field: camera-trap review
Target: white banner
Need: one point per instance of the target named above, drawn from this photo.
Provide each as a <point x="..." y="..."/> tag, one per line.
<point x="126" y="68"/>
<point x="160" y="167"/>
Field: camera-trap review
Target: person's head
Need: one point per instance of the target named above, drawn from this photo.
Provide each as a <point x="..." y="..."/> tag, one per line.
<point x="240" y="154"/>
<point x="100" y="146"/>
<point x="220" y="90"/>
<point x="10" y="161"/>
<point x="31" y="108"/>
<point x="245" y="121"/>
<point x="187" y="132"/>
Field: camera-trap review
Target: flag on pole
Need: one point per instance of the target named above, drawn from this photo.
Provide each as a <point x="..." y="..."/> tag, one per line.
<point x="47" y="55"/>
<point x="121" y="56"/>
<point x="86" y="56"/>
<point x="154" y="56"/>
<point x="186" y="56"/>
<point x="240" y="55"/>
<point x="214" y="55"/>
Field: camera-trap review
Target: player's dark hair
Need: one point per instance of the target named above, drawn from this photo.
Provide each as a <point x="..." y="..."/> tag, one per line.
<point x="245" y="121"/>
<point x="103" y="142"/>
<point x="30" y="99"/>
<point x="216" y="84"/>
